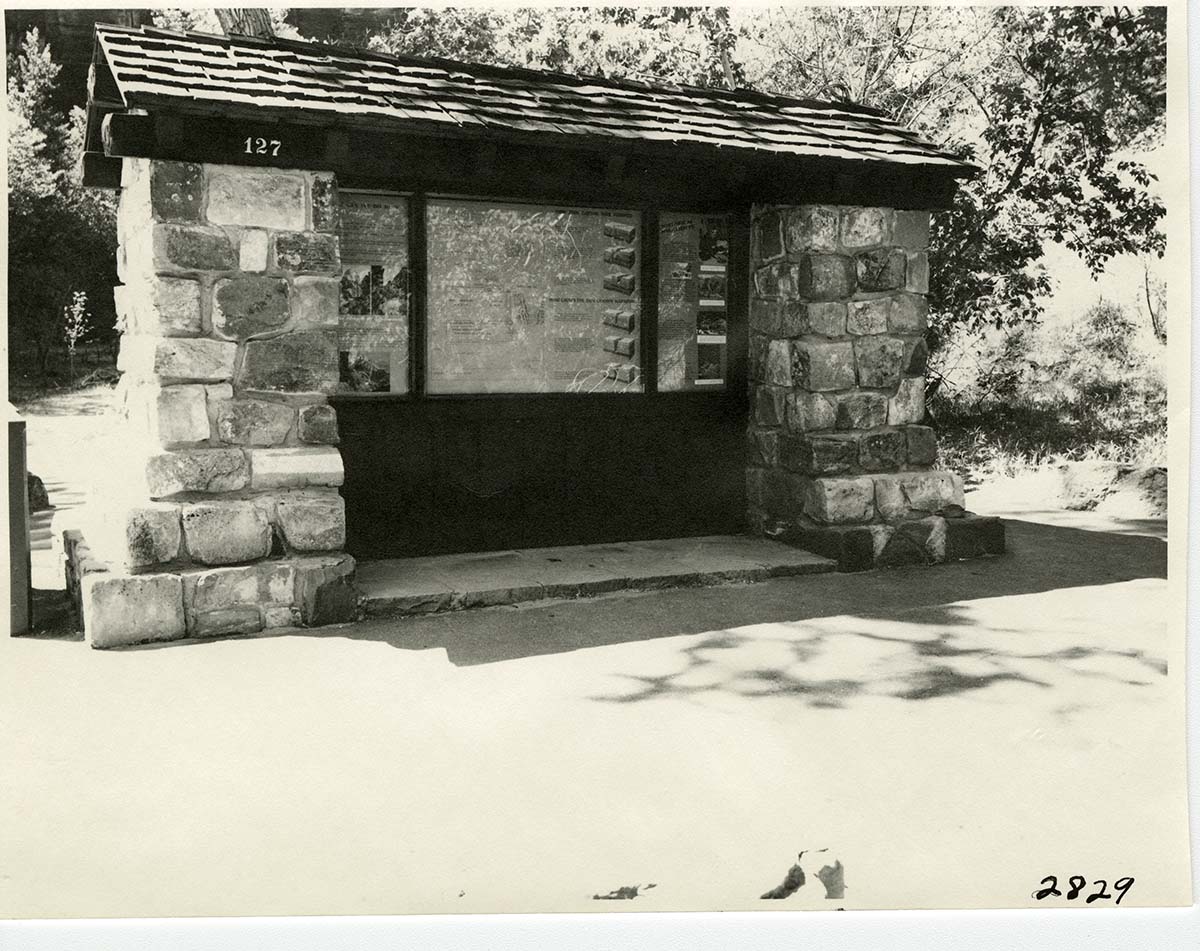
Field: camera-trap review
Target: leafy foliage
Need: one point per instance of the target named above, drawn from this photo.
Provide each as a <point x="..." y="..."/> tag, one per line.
<point x="61" y="236"/>
<point x="1050" y="102"/>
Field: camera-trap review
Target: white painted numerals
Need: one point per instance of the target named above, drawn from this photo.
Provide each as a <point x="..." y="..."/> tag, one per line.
<point x="259" y="146"/>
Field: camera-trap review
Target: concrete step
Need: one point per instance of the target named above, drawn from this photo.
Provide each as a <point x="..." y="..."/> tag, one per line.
<point x="404" y="586"/>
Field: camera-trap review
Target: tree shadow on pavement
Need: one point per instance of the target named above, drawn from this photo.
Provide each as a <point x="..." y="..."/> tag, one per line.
<point x="1041" y="558"/>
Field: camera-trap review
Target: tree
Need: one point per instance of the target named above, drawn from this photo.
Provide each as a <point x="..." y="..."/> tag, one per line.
<point x="61" y="236"/>
<point x="1052" y="103"/>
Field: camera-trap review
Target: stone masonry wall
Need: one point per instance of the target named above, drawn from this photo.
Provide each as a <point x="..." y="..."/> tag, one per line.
<point x="233" y="522"/>
<point x="839" y="459"/>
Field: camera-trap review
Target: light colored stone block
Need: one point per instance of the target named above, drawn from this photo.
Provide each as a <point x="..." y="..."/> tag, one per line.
<point x="196" y="470"/>
<point x="903" y="495"/>
<point x="822" y="365"/>
<point x="868" y="316"/>
<point x="778" y="371"/>
<point x="119" y="610"/>
<point x="152" y="534"/>
<point x="180" y="359"/>
<point x="316" y="523"/>
<point x="315" y="302"/>
<point x="811" y="228"/>
<point x="181" y="414"/>
<point x="839" y="500"/>
<point x="809" y="411"/>
<point x="162" y="307"/>
<point x="253" y="422"/>
<point x="225" y="533"/>
<point x="866" y="227"/>
<point x="216" y="588"/>
<point x="917" y="279"/>
<point x="908" y="405"/>
<point x="295" y="468"/>
<point x="257" y="198"/>
<point x="252" y="251"/>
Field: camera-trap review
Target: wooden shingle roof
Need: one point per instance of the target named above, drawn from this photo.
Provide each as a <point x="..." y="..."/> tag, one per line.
<point x="194" y="72"/>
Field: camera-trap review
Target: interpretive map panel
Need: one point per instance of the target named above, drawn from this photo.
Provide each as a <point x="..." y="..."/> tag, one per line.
<point x="532" y="299"/>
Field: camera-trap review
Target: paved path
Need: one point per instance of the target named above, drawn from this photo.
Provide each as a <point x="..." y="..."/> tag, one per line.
<point x="914" y="722"/>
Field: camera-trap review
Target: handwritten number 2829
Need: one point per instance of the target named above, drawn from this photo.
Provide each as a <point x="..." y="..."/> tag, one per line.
<point x="1078" y="883"/>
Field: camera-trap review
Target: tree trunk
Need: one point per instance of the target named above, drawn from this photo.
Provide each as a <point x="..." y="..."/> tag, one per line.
<point x="246" y="21"/>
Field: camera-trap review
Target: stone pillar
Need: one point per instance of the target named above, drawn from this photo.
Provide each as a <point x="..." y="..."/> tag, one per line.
<point x="840" y="461"/>
<point x="231" y="520"/>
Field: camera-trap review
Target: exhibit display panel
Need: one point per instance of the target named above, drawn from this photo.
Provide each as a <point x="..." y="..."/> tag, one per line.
<point x="532" y="299"/>
<point x="693" y="253"/>
<point x="374" y="301"/>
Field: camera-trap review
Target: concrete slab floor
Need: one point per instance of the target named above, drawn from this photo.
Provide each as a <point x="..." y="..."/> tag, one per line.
<point x="405" y="586"/>
<point x="951" y="735"/>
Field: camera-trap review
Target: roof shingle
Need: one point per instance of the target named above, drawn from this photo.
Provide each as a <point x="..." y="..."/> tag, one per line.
<point x="156" y="68"/>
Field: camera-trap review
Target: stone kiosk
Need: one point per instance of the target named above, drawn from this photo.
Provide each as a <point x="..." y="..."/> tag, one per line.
<point x="767" y="376"/>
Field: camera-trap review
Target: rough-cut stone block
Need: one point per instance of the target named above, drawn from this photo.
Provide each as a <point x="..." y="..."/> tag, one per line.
<point x="318" y="424"/>
<point x="917" y="279"/>
<point x="161" y="307"/>
<point x="766" y="316"/>
<point x="252" y="251"/>
<point x="904" y="495"/>
<point x="909" y="314"/>
<point x="253" y="422"/>
<point x="763" y="446"/>
<point x="911" y="230"/>
<point x="782" y="492"/>
<point x="757" y="356"/>
<point x="296" y="468"/>
<point x="192" y="248"/>
<point x="972" y="536"/>
<point x="880" y="270"/>
<point x="908" y="405"/>
<point x="297" y="362"/>
<point x="250" y="306"/>
<point x="770" y="405"/>
<point x="313" y="523"/>
<point x="325" y="207"/>
<point x="181" y="414"/>
<point x="883" y="451"/>
<point x="211" y="589"/>
<point x="325" y="590"/>
<point x="119" y="610"/>
<point x="920" y="542"/>
<point x="861" y="411"/>
<point x="879" y="359"/>
<point x="196" y="470"/>
<point x="306" y="251"/>
<point x="198" y="359"/>
<point x="821" y="454"/>
<point x="866" y="227"/>
<point x="778" y="371"/>
<point x="175" y="191"/>
<point x="868" y="316"/>
<point x="810" y="411"/>
<point x="776" y="281"/>
<point x="917" y="358"/>
<point x="811" y="228"/>
<point x="315" y="303"/>
<point x="853" y="547"/>
<point x="826" y="318"/>
<point x="922" y="445"/>
<point x="822" y="365"/>
<point x="838" y="500"/>
<point x="277" y="616"/>
<point x="256" y="198"/>
<point x="225" y="533"/>
<point x="824" y="277"/>
<point x="152" y="535"/>
<point x="768" y="234"/>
